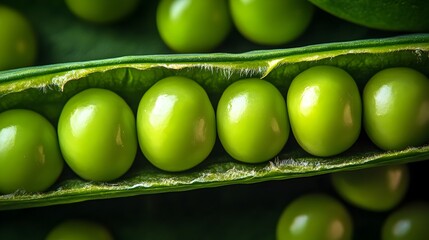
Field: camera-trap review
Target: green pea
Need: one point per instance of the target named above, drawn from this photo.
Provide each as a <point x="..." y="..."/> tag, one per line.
<point x="102" y="11"/>
<point x="18" y="45"/>
<point x="271" y="22"/>
<point x="324" y="107"/>
<point x="78" y="229"/>
<point x="315" y="216"/>
<point x="396" y="108"/>
<point x="30" y="158"/>
<point x="375" y="189"/>
<point x="176" y="124"/>
<point x="410" y="222"/>
<point x="193" y="25"/>
<point x="97" y="135"/>
<point x="252" y="120"/>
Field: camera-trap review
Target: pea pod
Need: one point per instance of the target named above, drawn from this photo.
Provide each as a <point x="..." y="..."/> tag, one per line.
<point x="46" y="89"/>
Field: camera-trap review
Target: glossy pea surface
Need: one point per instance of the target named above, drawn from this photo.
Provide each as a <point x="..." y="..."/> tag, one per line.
<point x="102" y="11"/>
<point x="396" y="108"/>
<point x="193" y="25"/>
<point x="252" y="120"/>
<point x="315" y="216"/>
<point x="97" y="135"/>
<point x="18" y="44"/>
<point x="271" y="22"/>
<point x="374" y="189"/>
<point x="30" y="158"/>
<point x="78" y="229"/>
<point x="176" y="124"/>
<point x="324" y="107"/>
<point x="410" y="222"/>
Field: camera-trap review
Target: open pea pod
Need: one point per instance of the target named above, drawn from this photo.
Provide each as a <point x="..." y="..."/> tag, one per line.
<point x="47" y="88"/>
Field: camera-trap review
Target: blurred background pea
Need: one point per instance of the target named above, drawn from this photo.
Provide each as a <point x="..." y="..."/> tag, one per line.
<point x="102" y="11"/>
<point x="375" y="189"/>
<point x="193" y="25"/>
<point x="18" y="44"/>
<point x="271" y="22"/>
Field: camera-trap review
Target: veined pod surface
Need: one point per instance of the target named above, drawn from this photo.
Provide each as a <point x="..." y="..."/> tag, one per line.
<point x="45" y="89"/>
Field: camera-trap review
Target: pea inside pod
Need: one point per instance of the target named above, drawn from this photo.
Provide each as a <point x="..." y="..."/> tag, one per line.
<point x="176" y="124"/>
<point x="396" y="108"/>
<point x="132" y="77"/>
<point x="252" y="120"/>
<point x="97" y="135"/>
<point x="325" y="109"/>
<point x="30" y="157"/>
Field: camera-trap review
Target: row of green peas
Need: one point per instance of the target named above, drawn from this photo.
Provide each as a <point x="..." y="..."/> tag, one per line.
<point x="176" y="125"/>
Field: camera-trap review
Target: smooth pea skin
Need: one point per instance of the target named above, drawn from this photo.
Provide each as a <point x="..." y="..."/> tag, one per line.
<point x="315" y="216"/>
<point x="271" y="22"/>
<point x="410" y="222"/>
<point x="30" y="158"/>
<point x="78" y="229"/>
<point x="97" y="133"/>
<point x="375" y="189"/>
<point x="102" y="11"/>
<point x="252" y="120"/>
<point x="396" y="108"/>
<point x="193" y="25"/>
<point x="176" y="124"/>
<point x="18" y="45"/>
<point x="324" y="107"/>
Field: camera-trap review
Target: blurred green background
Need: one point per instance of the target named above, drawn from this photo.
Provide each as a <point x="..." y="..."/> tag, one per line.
<point x="64" y="38"/>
